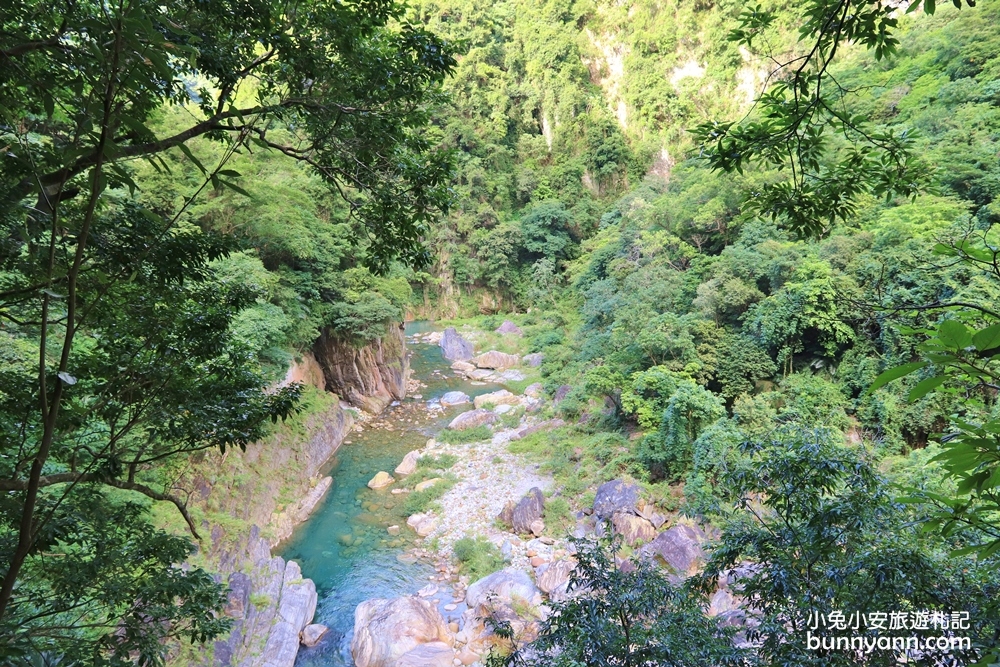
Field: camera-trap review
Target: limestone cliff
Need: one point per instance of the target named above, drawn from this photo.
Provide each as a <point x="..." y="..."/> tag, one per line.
<point x="369" y="377"/>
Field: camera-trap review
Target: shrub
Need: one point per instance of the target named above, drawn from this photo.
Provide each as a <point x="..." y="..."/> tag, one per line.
<point x="478" y="557"/>
<point x="420" y="501"/>
<point x="477" y="434"/>
<point x="442" y="462"/>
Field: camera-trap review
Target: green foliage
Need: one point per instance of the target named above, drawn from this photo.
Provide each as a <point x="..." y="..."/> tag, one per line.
<point x="626" y="616"/>
<point x="823" y="532"/>
<point x="421" y="501"/>
<point x="478" y="557"/>
<point x="477" y="434"/>
<point x="441" y="462"/>
<point x="668" y="452"/>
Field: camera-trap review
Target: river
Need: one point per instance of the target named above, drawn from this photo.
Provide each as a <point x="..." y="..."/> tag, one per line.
<point x="344" y="546"/>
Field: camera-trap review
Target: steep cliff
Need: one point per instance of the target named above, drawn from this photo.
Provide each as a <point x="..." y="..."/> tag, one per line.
<point x="368" y="377"/>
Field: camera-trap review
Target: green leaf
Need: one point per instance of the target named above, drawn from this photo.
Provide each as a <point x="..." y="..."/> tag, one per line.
<point x="187" y="151"/>
<point x="988" y="338"/>
<point x="233" y="186"/>
<point x="925" y="386"/>
<point x="896" y="373"/>
<point x="954" y="334"/>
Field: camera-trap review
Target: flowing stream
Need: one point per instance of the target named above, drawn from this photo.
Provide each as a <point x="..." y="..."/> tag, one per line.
<point x="344" y="546"/>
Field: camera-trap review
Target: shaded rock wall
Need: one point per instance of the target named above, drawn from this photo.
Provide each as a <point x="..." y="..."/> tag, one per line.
<point x="369" y="377"/>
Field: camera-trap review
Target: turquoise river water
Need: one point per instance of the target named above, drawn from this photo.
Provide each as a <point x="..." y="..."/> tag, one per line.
<point x="344" y="546"/>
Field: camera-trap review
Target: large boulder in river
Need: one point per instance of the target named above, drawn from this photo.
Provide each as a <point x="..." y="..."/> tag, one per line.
<point x="472" y="419"/>
<point x="615" y="496"/>
<point x="455" y="398"/>
<point x="508" y="327"/>
<point x="408" y="464"/>
<point x="311" y="634"/>
<point x="454" y="347"/>
<point x="381" y="480"/>
<point x="497" y="360"/>
<point x="501" y="397"/>
<point x="386" y="630"/>
<point x="680" y="548"/>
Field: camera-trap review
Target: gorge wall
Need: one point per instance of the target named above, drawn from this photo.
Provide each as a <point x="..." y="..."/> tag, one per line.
<point x="249" y="502"/>
<point x="370" y="377"/>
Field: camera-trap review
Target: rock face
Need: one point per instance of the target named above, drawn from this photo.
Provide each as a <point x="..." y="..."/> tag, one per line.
<point x="472" y="419"/>
<point x="386" y="630"/>
<point x="501" y="397"/>
<point x="679" y="548"/>
<point x="266" y="631"/>
<point x="454" y="347"/>
<point x="508" y="327"/>
<point x="455" y="397"/>
<point x="615" y="496"/>
<point x="497" y="360"/>
<point x="369" y="377"/>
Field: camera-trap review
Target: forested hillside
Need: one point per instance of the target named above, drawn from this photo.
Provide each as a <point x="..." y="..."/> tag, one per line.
<point x="753" y="250"/>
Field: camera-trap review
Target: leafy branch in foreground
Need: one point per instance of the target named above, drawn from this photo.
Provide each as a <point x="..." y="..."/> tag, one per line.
<point x="802" y="126"/>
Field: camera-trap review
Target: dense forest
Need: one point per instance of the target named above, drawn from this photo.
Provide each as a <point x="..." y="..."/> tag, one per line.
<point x="753" y="248"/>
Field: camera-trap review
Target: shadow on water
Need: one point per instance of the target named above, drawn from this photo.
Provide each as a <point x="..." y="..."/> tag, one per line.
<point x="344" y="546"/>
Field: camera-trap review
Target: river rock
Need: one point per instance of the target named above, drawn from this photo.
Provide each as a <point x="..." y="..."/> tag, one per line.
<point x="561" y="393"/>
<point x="511" y="375"/>
<point x="454" y="347"/>
<point x="501" y="397"/>
<point x="427" y="483"/>
<point x="506" y="586"/>
<point x="632" y="528"/>
<point x="497" y="360"/>
<point x="534" y="390"/>
<point x="431" y="654"/>
<point x="679" y="548"/>
<point x="408" y="464"/>
<point x="392" y="530"/>
<point x="455" y="397"/>
<point x="311" y="634"/>
<point x="504" y="596"/>
<point x="722" y="601"/>
<point x="422" y="524"/>
<point x="533" y="360"/>
<point x="615" y="496"/>
<point x="381" y="480"/>
<point x="528" y="510"/>
<point x="472" y="419"/>
<point x="386" y="630"/>
<point x="463" y="367"/>
<point x="509" y="327"/>
<point x="553" y="578"/>
<point x="482" y="375"/>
